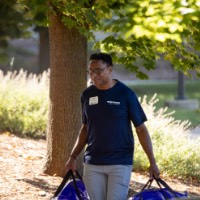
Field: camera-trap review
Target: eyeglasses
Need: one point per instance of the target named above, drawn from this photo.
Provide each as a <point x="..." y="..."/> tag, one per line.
<point x="96" y="71"/>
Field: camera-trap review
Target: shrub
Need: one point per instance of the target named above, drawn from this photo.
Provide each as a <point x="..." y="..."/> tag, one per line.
<point x="176" y="153"/>
<point x="23" y="110"/>
<point x="24" y="103"/>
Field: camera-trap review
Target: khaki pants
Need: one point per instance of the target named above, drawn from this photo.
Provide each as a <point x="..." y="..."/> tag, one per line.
<point x="107" y="182"/>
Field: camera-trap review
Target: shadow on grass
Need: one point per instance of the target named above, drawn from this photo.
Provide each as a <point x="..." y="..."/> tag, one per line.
<point x="41" y="184"/>
<point x="134" y="188"/>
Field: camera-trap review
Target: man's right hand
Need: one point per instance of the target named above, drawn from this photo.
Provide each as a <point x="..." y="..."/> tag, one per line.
<point x="71" y="164"/>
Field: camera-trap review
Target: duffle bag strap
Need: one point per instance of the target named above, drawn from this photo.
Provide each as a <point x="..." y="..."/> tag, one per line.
<point x="78" y="175"/>
<point x="62" y="184"/>
<point x="148" y="184"/>
<point x="160" y="182"/>
<point x="75" y="184"/>
<point x="69" y="175"/>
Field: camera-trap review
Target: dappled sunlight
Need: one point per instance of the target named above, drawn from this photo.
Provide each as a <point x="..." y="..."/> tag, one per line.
<point x="176" y="152"/>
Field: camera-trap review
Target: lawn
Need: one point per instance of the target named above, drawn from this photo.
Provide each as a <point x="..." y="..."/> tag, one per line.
<point x="167" y="90"/>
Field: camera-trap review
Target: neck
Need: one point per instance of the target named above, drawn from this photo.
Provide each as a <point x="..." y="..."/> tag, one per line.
<point x="107" y="85"/>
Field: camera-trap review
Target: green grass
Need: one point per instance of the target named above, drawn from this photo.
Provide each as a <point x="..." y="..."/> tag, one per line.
<point x="167" y="90"/>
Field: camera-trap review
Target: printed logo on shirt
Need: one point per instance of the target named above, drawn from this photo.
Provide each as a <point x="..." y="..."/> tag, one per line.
<point x="113" y="102"/>
<point x="93" y="100"/>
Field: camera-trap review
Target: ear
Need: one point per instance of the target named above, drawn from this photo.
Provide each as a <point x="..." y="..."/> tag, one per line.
<point x="111" y="68"/>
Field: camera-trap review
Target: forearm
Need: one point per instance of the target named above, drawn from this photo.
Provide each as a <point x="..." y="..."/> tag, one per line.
<point x="80" y="142"/>
<point x="146" y="143"/>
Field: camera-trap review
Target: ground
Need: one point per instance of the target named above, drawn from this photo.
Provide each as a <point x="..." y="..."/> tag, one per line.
<point x="21" y="178"/>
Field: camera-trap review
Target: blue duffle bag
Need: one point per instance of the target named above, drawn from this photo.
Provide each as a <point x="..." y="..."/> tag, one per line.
<point x="164" y="192"/>
<point x="71" y="188"/>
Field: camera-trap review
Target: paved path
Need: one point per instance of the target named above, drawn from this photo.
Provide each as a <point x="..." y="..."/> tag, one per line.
<point x="195" y="132"/>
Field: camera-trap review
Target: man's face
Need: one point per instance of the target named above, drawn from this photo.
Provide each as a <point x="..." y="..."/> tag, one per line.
<point x="99" y="72"/>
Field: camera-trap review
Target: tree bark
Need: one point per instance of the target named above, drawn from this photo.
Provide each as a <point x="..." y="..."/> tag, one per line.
<point x="181" y="86"/>
<point x="44" y="49"/>
<point x="68" y="60"/>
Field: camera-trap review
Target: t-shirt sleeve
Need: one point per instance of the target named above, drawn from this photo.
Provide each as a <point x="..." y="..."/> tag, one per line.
<point x="136" y="112"/>
<point x="84" y="118"/>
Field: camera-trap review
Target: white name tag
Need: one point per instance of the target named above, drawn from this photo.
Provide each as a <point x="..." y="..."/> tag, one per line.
<point x="93" y="100"/>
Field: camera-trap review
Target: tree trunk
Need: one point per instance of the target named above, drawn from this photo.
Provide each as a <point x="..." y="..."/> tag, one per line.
<point x="68" y="60"/>
<point x="181" y="87"/>
<point x="44" y="49"/>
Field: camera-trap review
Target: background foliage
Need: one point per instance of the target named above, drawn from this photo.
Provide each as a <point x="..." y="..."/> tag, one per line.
<point x="175" y="151"/>
<point x="24" y="103"/>
<point x="138" y="32"/>
<point x="167" y="90"/>
<point x="12" y="22"/>
<point x="23" y="111"/>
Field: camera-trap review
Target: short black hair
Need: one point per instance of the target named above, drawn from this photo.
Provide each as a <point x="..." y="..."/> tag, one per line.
<point x="102" y="56"/>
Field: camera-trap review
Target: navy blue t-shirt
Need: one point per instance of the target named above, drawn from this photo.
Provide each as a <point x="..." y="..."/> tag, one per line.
<point x="108" y="115"/>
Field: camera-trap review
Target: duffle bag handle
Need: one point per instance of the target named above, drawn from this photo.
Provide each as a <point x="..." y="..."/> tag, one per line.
<point x="160" y="182"/>
<point x="148" y="184"/>
<point x="69" y="175"/>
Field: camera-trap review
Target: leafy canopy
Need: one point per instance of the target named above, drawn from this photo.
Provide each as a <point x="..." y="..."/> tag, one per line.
<point x="12" y="25"/>
<point x="12" y="22"/>
<point x="138" y="32"/>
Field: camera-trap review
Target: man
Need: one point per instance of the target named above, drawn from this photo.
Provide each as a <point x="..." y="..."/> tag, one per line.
<point x="108" y="107"/>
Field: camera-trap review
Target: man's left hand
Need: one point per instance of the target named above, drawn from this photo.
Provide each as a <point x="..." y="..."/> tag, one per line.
<point x="154" y="172"/>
